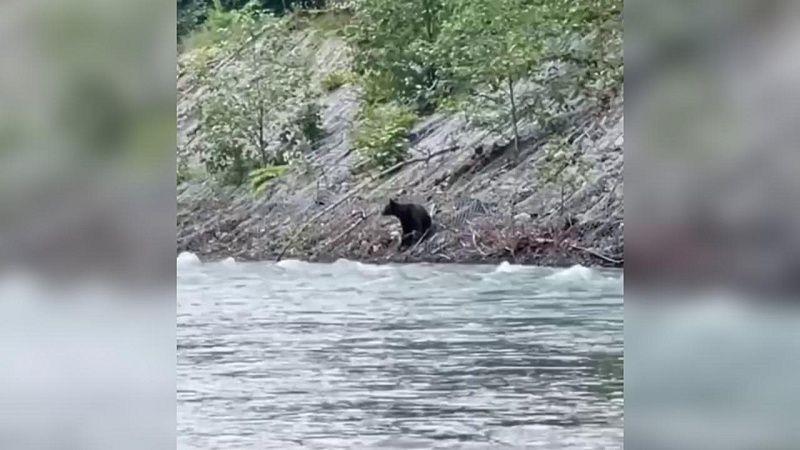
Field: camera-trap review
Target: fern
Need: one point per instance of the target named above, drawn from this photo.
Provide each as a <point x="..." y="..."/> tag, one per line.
<point x="260" y="178"/>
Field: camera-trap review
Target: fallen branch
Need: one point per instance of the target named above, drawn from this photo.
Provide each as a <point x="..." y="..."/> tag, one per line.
<point x="353" y="191"/>
<point x="442" y="255"/>
<point x="582" y="249"/>
<point x="361" y="219"/>
<point x="599" y="255"/>
<point x="424" y="236"/>
<point x="475" y="243"/>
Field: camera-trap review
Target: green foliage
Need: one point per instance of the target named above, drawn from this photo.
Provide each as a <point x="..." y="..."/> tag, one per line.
<point x="395" y="42"/>
<point x="200" y="59"/>
<point x="507" y="59"/>
<point x="331" y="22"/>
<point x="224" y="25"/>
<point x="186" y="173"/>
<point x="379" y="87"/>
<point x="490" y="46"/>
<point x="382" y="137"/>
<point x="335" y="80"/>
<point x="222" y="31"/>
<point x="563" y="165"/>
<point x="310" y="122"/>
<point x="491" y="60"/>
<point x="261" y="111"/>
<point x="192" y="13"/>
<point x="488" y="42"/>
<point x="588" y="43"/>
<point x="260" y="178"/>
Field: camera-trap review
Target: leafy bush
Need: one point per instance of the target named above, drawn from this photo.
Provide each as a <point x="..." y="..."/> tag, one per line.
<point x="221" y="30"/>
<point x="262" y="112"/>
<point x="185" y="173"/>
<point x="335" y="80"/>
<point x="395" y="48"/>
<point x="331" y="21"/>
<point x="260" y="178"/>
<point x="310" y="123"/>
<point x="563" y="166"/>
<point x="379" y="87"/>
<point x="190" y="14"/>
<point x="382" y="137"/>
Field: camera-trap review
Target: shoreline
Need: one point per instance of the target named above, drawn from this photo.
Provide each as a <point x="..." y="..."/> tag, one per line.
<point x="550" y="261"/>
<point x="396" y="261"/>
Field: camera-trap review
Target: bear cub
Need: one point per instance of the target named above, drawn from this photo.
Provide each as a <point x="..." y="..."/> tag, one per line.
<point x="413" y="218"/>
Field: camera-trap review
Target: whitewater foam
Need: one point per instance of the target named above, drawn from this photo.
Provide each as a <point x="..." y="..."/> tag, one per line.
<point x="229" y="261"/>
<point x="188" y="259"/>
<point x="574" y="274"/>
<point x="292" y="264"/>
<point x="506" y="267"/>
<point x="362" y="267"/>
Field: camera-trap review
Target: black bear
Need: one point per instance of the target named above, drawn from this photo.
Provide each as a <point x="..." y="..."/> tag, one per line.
<point x="413" y="218"/>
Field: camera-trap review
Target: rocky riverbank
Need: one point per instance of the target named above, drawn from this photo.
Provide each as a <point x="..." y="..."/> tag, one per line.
<point x="488" y="204"/>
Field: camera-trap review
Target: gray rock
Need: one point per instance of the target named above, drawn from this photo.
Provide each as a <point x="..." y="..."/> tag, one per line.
<point x="522" y="218"/>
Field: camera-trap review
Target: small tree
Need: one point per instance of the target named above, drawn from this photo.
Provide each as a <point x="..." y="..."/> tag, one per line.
<point x="395" y="49"/>
<point x="491" y="44"/>
<point x="262" y="111"/>
<point x="563" y="166"/>
<point x="382" y="136"/>
<point x="488" y="46"/>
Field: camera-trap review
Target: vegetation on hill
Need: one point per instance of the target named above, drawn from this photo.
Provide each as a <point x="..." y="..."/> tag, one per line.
<point x="496" y="62"/>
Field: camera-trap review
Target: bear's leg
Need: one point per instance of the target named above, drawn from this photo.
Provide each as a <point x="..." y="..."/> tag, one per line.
<point x="408" y="239"/>
<point x="404" y="242"/>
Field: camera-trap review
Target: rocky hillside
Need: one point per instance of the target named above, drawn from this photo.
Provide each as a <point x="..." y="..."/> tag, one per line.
<point x="489" y="205"/>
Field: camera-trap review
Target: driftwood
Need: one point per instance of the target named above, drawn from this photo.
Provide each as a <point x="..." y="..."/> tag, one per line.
<point x="362" y="216"/>
<point x="355" y="190"/>
<point x="582" y="249"/>
<point x="598" y="255"/>
<point x="424" y="236"/>
<point x="475" y="243"/>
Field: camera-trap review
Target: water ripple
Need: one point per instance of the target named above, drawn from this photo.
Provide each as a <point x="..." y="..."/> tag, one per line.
<point x="347" y="355"/>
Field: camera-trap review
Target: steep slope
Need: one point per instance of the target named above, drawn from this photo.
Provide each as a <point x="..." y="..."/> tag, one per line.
<point x="488" y="206"/>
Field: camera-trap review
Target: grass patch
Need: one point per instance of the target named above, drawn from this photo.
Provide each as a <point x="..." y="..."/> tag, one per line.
<point x="260" y="179"/>
<point x="330" y="21"/>
<point x="336" y="79"/>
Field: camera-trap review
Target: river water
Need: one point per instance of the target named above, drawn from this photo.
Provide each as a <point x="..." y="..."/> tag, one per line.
<point x="354" y="356"/>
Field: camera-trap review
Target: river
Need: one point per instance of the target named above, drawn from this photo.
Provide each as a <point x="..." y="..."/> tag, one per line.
<point x="353" y="356"/>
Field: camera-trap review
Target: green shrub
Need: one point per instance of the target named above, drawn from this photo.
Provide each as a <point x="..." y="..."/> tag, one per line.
<point x="382" y="137"/>
<point x="227" y="163"/>
<point x="260" y="114"/>
<point x="182" y="174"/>
<point x="186" y="173"/>
<point x="395" y="48"/>
<point x="336" y="79"/>
<point x="260" y="178"/>
<point x="563" y="166"/>
<point x="379" y="87"/>
<point x="311" y="123"/>
<point x="331" y="21"/>
<point x="223" y="28"/>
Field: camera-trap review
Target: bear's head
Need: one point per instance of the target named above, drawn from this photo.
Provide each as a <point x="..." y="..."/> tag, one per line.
<point x="390" y="208"/>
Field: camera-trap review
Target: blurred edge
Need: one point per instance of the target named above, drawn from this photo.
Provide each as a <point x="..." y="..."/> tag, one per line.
<point x="712" y="155"/>
<point x="87" y="120"/>
<point x="712" y="224"/>
<point x="86" y="191"/>
<point x="87" y="224"/>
